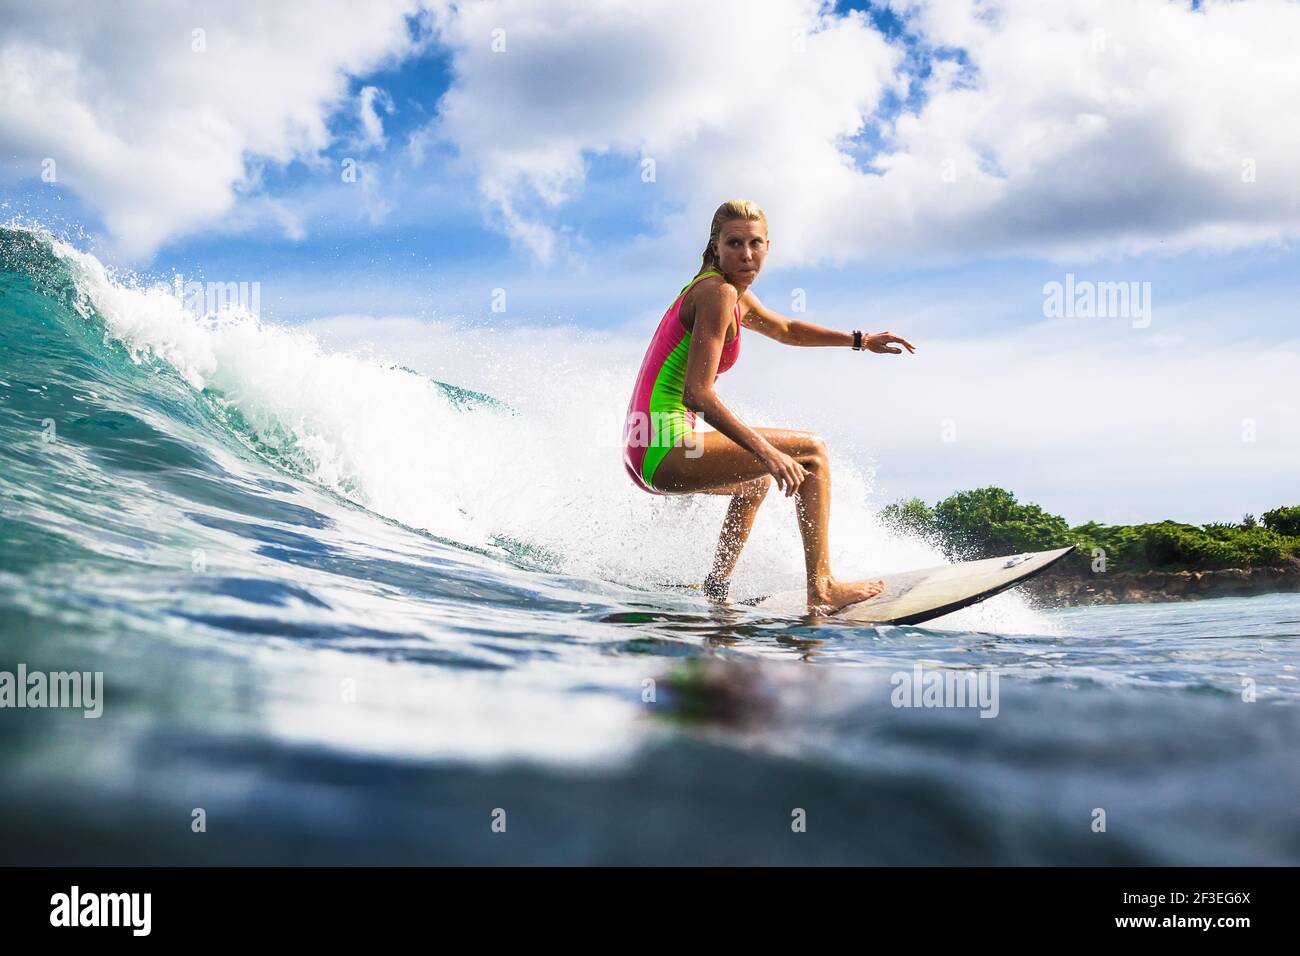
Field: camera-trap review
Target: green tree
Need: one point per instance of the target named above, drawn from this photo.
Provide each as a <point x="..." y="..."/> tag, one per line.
<point x="987" y="522"/>
<point x="912" y="517"/>
<point x="1284" y="521"/>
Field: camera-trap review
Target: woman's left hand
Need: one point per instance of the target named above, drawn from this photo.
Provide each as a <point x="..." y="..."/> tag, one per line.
<point x="881" y="342"/>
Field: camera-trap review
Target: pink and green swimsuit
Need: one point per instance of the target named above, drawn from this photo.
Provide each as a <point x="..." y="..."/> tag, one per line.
<point x="657" y="418"/>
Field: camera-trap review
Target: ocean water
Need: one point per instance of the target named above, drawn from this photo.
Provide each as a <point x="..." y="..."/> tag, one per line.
<point x="347" y="613"/>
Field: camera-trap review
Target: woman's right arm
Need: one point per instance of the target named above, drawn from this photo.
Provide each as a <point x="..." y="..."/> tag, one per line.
<point x="715" y="304"/>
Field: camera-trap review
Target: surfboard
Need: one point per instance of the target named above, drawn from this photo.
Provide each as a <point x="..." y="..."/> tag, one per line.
<point x="912" y="597"/>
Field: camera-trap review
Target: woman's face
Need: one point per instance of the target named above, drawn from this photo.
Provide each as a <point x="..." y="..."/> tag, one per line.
<point x="742" y="247"/>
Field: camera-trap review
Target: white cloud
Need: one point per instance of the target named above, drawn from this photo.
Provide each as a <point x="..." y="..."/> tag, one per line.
<point x="1116" y="126"/>
<point x="1081" y="128"/>
<point x="727" y="98"/>
<point x="373" y="201"/>
<point x="152" y="113"/>
<point x="370" y="102"/>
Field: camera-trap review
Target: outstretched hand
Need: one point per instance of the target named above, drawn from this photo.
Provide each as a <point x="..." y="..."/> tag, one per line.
<point x="882" y="342"/>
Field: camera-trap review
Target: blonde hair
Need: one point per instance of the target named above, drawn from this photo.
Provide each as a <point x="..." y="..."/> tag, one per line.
<point x="731" y="209"/>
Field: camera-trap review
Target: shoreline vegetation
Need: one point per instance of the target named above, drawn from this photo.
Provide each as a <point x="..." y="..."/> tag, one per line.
<point x="1113" y="564"/>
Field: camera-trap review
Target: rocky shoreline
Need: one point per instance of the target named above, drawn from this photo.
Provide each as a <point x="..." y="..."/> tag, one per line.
<point x="1069" y="587"/>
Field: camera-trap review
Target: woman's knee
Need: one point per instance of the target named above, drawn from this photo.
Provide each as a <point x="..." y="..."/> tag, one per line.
<point x="814" y="452"/>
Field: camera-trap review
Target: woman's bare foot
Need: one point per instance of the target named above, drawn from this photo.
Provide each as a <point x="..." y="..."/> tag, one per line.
<point x="836" y="595"/>
<point x="716" y="589"/>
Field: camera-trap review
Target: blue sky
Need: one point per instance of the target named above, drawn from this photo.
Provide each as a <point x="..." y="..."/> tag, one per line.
<point x="1088" y="139"/>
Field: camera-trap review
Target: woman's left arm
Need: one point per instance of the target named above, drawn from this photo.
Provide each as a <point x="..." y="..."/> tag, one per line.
<point x="763" y="320"/>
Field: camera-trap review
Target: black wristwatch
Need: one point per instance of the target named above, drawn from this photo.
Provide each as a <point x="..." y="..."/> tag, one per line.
<point x="857" y="340"/>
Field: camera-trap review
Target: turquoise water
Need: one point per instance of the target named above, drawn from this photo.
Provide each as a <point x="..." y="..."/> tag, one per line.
<point x="328" y="657"/>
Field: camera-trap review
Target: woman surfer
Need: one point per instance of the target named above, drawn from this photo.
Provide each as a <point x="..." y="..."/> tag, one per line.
<point x="698" y="339"/>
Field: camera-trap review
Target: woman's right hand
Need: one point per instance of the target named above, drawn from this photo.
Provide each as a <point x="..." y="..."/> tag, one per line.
<point x="789" y="474"/>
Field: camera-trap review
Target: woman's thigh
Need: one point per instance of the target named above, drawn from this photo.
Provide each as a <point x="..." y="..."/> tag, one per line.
<point x="713" y="463"/>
